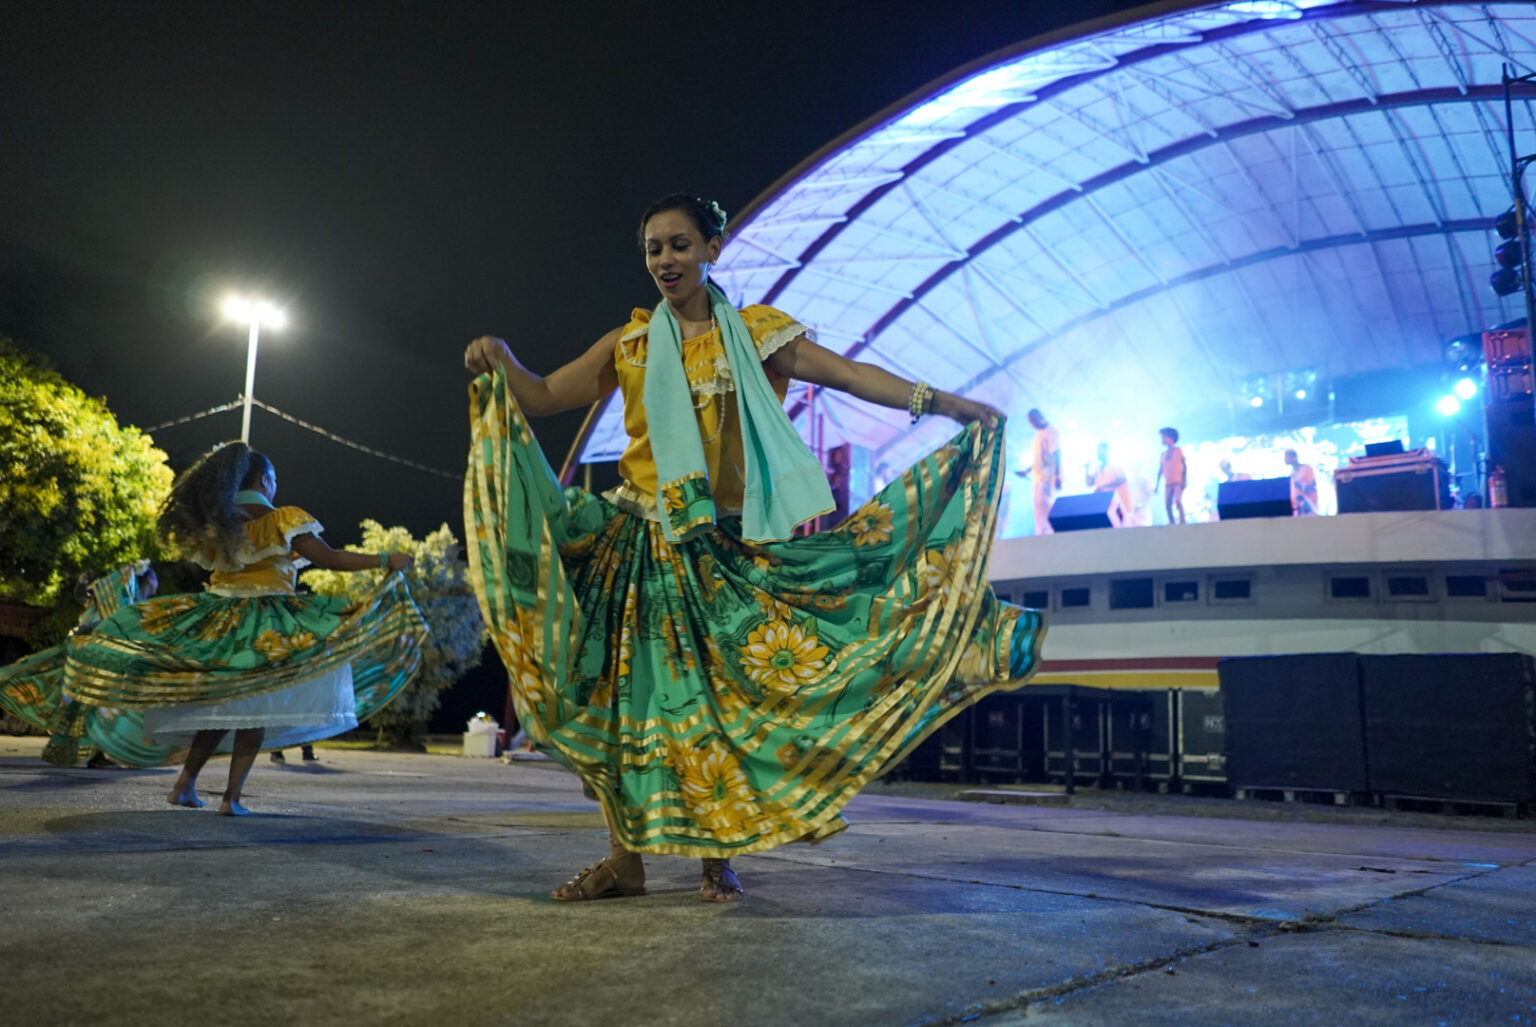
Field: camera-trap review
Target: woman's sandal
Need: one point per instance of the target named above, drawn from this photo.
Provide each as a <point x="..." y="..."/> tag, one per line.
<point x="602" y="881"/>
<point x="719" y="882"/>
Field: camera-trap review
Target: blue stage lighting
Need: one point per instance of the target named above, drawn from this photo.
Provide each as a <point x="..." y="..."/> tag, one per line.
<point x="1448" y="406"/>
<point x="1256" y="402"/>
<point x="1465" y="389"/>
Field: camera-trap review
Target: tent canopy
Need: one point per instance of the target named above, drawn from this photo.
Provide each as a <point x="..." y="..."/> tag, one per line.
<point x="1152" y="216"/>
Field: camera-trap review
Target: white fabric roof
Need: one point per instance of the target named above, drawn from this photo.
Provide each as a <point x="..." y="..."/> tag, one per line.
<point x="1126" y="222"/>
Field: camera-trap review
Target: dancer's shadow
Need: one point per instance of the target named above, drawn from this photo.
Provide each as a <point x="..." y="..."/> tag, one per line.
<point x="297" y="845"/>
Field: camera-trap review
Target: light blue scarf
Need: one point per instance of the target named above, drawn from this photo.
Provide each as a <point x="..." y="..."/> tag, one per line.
<point x="785" y="486"/>
<point x="250" y="497"/>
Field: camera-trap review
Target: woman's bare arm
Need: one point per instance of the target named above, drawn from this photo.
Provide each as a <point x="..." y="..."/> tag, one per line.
<point x="809" y="362"/>
<point x="579" y="383"/>
<point x="314" y="549"/>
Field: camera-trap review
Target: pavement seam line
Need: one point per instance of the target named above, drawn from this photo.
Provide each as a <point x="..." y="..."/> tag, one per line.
<point x="1234" y="918"/>
<point x="1022" y="1001"/>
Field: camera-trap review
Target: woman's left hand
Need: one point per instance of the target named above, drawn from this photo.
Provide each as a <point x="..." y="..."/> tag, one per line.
<point x="965" y="410"/>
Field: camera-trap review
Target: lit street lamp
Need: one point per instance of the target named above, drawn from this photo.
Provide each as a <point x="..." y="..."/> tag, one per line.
<point x="255" y="313"/>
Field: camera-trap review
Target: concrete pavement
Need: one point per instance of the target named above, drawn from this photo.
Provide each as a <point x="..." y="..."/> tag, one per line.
<point x="394" y="889"/>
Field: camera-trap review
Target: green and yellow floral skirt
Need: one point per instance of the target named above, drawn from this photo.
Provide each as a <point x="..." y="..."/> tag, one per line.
<point x="208" y="650"/>
<point x="721" y="697"/>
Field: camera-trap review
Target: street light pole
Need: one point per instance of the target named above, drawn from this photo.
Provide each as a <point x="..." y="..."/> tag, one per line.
<point x="250" y="379"/>
<point x="253" y="313"/>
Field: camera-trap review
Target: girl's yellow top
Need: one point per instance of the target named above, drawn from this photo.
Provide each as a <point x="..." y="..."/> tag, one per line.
<point x="265" y="563"/>
<point x="713" y="387"/>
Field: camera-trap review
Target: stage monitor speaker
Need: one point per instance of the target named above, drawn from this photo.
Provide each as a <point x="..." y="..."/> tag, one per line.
<point x="1512" y="446"/>
<point x="1455" y="726"/>
<point x="1092" y="510"/>
<point x="1260" y="497"/>
<point x="1294" y="722"/>
<point x="1413" y="481"/>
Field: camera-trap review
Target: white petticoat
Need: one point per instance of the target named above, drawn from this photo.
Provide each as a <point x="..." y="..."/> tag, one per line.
<point x="310" y="710"/>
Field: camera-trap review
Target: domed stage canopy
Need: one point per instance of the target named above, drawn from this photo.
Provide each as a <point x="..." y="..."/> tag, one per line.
<point x="1153" y="218"/>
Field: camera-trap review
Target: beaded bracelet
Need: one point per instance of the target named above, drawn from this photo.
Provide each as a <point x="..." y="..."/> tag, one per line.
<point x="384" y="561"/>
<point x="921" y="400"/>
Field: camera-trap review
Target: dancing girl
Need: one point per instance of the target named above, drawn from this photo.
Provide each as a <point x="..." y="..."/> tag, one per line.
<point x="721" y="686"/>
<point x="248" y="654"/>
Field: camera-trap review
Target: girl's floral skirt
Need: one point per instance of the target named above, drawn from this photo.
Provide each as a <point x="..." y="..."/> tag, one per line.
<point x="209" y="661"/>
<point x="722" y="697"/>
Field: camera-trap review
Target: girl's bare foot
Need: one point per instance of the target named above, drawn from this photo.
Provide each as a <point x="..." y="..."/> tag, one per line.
<point x="185" y="797"/>
<point x="232" y="808"/>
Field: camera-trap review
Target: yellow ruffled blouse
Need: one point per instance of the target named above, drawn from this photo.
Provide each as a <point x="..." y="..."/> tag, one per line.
<point x="265" y="563"/>
<point x="714" y="404"/>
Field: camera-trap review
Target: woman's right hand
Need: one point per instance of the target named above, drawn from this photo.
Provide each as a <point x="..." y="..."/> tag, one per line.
<point x="485" y="353"/>
<point x="400" y="561"/>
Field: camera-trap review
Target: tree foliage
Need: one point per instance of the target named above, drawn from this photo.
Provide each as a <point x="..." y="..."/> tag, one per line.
<point x="439" y="583"/>
<point x="77" y="491"/>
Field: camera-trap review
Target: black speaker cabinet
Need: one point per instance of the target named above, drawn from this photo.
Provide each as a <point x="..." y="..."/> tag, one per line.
<point x="1092" y="510"/>
<point x="1202" y="736"/>
<point x="1451" y="726"/>
<point x="1294" y="722"/>
<point x="945" y="755"/>
<point x="1003" y="733"/>
<point x="1512" y="446"/>
<point x="1260" y="497"/>
<point x="1142" y="737"/>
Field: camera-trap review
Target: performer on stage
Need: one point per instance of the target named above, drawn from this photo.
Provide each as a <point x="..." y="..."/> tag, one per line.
<point x="721" y="687"/>
<point x="1173" y="470"/>
<point x="248" y="654"/>
<point x="1303" y="486"/>
<point x="1107" y="476"/>
<point x="1045" y="468"/>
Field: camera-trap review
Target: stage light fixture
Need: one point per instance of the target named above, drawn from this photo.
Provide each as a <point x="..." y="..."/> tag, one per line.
<point x="1506" y="224"/>
<point x="1465" y="389"/>
<point x="1505" y="280"/>
<point x="1299" y="385"/>
<point x="1447" y="406"/>
<point x="1464" y="352"/>
<point x="1510" y="255"/>
<point x="1258" y="389"/>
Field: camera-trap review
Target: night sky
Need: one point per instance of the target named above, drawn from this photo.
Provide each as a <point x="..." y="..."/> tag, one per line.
<point x="402" y="177"/>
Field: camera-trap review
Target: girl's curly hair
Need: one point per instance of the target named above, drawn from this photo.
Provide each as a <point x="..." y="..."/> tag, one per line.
<point x="200" y="512"/>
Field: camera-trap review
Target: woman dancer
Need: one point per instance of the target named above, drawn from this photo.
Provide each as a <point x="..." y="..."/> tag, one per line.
<point x="722" y="687"/>
<point x="248" y="654"/>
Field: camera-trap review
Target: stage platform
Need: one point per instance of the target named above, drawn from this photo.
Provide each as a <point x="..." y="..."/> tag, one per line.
<point x="1158" y="607"/>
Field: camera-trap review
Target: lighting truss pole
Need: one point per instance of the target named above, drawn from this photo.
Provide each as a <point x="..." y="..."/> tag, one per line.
<point x="1517" y="166"/>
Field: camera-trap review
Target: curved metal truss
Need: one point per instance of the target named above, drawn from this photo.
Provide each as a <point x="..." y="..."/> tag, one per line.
<point x="1124" y="223"/>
